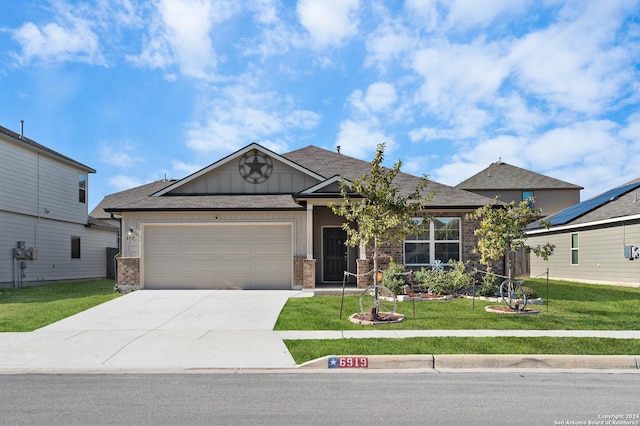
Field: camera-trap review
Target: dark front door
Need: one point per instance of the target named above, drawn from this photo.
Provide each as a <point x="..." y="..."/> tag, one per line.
<point x="335" y="253"/>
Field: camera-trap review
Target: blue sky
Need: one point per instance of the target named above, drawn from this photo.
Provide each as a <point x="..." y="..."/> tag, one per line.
<point x="140" y="90"/>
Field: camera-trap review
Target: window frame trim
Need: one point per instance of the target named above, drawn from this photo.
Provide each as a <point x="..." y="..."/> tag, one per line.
<point x="573" y="249"/>
<point x="432" y="241"/>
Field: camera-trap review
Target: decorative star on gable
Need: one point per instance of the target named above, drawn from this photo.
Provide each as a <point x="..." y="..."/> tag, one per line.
<point x="255" y="167"/>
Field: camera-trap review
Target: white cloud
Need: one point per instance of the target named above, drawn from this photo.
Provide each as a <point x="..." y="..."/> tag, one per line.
<point x="471" y="158"/>
<point x="573" y="63"/>
<point x="467" y="123"/>
<point x="380" y="96"/>
<point x="517" y="116"/>
<point x="120" y="154"/>
<point x="388" y="44"/>
<point x="182" y="168"/>
<point x="329" y="21"/>
<point x="457" y="74"/>
<point x="359" y="140"/>
<point x="241" y="114"/>
<point x="122" y="182"/>
<point x="464" y="14"/>
<point x="55" y="42"/>
<point x="180" y="33"/>
<point x="590" y="141"/>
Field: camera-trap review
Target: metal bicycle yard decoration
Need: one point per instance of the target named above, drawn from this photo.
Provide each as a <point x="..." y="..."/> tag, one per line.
<point x="377" y="302"/>
<point x="513" y="294"/>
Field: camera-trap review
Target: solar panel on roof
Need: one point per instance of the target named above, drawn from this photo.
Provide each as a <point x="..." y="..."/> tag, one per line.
<point x="580" y="209"/>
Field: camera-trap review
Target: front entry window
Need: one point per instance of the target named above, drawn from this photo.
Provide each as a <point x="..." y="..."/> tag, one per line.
<point x="441" y="242"/>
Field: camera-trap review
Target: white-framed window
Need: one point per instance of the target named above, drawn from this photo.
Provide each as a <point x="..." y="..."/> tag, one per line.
<point x="528" y="197"/>
<point x="82" y="188"/>
<point x="441" y="241"/>
<point x="575" y="246"/>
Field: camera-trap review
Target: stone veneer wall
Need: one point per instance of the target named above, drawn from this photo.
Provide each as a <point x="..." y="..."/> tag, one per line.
<point x="304" y="272"/>
<point x="128" y="271"/>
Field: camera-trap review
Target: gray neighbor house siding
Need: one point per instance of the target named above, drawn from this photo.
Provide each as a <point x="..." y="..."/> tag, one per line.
<point x="43" y="206"/>
<point x="594" y="239"/>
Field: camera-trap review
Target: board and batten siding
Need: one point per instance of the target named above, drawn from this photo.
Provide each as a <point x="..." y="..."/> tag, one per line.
<point x="227" y="180"/>
<point x="37" y="185"/>
<point x="52" y="240"/>
<point x="600" y="254"/>
<point x="131" y="246"/>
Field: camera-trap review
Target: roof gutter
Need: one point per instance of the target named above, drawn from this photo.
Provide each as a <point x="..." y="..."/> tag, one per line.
<point x="583" y="225"/>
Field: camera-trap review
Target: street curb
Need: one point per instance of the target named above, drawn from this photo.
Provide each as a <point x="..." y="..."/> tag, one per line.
<point x="605" y="362"/>
<point x="446" y="362"/>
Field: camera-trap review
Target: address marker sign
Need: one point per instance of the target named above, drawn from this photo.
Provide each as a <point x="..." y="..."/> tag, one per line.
<point x="349" y="362"/>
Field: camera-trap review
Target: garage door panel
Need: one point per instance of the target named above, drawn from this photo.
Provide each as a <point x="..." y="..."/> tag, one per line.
<point x="249" y="256"/>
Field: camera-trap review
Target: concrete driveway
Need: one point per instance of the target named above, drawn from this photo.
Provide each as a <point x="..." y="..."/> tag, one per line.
<point x="158" y="330"/>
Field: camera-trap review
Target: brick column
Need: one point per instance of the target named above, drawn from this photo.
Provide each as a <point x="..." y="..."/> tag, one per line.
<point x="128" y="272"/>
<point x="309" y="273"/>
<point x="304" y="272"/>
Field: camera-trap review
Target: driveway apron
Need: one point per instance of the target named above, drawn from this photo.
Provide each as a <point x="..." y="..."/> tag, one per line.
<point x="159" y="330"/>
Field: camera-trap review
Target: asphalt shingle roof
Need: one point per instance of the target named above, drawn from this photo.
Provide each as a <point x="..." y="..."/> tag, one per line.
<point x="329" y="163"/>
<point x="503" y="176"/>
<point x="323" y="162"/>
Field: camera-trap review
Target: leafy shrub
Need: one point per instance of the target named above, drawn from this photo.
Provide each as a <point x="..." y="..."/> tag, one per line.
<point x="393" y="278"/>
<point x="449" y="281"/>
<point x="457" y="278"/>
<point x="490" y="286"/>
<point x="426" y="279"/>
<point x="531" y="293"/>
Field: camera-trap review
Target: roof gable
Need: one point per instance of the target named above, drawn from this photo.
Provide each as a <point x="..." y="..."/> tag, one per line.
<point x="323" y="170"/>
<point x="329" y="186"/>
<point x="251" y="170"/>
<point x="41" y="149"/>
<point x="330" y="164"/>
<point x="504" y="176"/>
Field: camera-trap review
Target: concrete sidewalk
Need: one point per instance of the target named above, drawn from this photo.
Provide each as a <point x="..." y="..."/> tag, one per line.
<point x="181" y="330"/>
<point x="398" y="334"/>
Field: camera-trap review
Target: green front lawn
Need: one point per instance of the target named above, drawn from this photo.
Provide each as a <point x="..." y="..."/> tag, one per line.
<point x="568" y="306"/>
<point x="307" y="350"/>
<point x="30" y="308"/>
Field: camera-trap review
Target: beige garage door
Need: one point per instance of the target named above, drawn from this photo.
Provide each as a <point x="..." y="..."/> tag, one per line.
<point x="221" y="256"/>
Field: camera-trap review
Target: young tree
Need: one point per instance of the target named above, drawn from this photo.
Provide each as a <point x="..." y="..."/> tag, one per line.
<point x="502" y="232"/>
<point x="375" y="209"/>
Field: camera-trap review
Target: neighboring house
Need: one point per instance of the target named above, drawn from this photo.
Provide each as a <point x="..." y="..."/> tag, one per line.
<point x="47" y="235"/>
<point x="257" y="219"/>
<point x="511" y="183"/>
<point x="596" y="240"/>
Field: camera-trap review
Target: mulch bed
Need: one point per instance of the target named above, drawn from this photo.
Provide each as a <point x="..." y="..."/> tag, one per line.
<point x="503" y="309"/>
<point x="367" y="319"/>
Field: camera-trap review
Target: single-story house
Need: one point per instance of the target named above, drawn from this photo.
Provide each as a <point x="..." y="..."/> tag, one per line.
<point x="510" y="183"/>
<point x="256" y="219"/>
<point x="596" y="240"/>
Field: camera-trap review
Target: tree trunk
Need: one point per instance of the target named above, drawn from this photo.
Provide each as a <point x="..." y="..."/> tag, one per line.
<point x="374" y="310"/>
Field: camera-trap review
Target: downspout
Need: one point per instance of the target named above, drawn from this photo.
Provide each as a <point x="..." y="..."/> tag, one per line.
<point x="35" y="231"/>
<point x="120" y="247"/>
